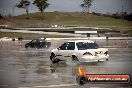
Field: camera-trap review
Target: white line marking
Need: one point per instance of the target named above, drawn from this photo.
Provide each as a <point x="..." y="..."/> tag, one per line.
<point x="51" y="86"/>
<point x="24" y="69"/>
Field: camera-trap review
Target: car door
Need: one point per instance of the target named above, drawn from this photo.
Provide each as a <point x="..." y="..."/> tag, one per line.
<point x="66" y="50"/>
<point x="34" y="43"/>
<point x="41" y="43"/>
<point x="61" y="50"/>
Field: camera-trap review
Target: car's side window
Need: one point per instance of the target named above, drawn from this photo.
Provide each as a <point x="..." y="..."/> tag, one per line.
<point x="86" y="45"/>
<point x="34" y="41"/>
<point x="80" y="46"/>
<point x="68" y="46"/>
<point x="63" y="47"/>
<point x="71" y="46"/>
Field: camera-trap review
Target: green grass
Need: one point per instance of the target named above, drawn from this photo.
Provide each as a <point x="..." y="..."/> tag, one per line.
<point x="66" y="19"/>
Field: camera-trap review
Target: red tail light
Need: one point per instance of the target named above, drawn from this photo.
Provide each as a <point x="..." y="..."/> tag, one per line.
<point x="106" y="53"/>
<point x="87" y="53"/>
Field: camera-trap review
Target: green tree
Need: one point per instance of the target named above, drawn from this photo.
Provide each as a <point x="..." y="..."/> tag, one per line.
<point x="41" y="4"/>
<point x="86" y="5"/>
<point x="24" y="4"/>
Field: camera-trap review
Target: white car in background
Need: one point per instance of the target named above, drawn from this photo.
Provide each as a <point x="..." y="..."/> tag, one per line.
<point x="5" y="39"/>
<point x="79" y="50"/>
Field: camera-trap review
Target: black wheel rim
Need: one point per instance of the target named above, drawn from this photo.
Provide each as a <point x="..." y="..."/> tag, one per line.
<point x="54" y="59"/>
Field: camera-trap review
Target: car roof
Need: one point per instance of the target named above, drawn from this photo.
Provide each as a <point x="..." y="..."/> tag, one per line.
<point x="89" y="41"/>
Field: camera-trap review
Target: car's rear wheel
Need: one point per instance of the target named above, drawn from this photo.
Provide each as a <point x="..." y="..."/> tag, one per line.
<point x="107" y="59"/>
<point x="53" y="58"/>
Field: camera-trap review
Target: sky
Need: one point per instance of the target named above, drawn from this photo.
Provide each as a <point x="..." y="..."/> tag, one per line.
<point x="99" y="6"/>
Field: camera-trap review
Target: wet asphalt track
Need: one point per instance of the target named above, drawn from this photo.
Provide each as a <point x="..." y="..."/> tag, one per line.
<point x="32" y="68"/>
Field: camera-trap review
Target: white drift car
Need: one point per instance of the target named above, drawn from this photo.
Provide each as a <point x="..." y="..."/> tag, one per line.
<point x="79" y="50"/>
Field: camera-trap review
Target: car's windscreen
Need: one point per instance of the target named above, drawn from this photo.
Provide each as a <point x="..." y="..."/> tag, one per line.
<point x="86" y="45"/>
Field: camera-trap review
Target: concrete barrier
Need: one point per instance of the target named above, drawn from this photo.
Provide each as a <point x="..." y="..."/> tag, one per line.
<point x="78" y="36"/>
<point x="4" y="26"/>
<point x="95" y="38"/>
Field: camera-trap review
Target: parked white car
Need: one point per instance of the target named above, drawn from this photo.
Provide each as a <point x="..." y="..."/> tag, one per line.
<point x="79" y="50"/>
<point x="5" y="39"/>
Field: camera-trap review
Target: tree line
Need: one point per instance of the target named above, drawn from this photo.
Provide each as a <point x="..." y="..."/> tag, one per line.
<point x="117" y="15"/>
<point x="85" y="5"/>
<point x="43" y="4"/>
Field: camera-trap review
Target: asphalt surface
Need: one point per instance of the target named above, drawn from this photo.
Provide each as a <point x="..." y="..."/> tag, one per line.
<point x="32" y="68"/>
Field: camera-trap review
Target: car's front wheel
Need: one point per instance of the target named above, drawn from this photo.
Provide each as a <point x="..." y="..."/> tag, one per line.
<point x="53" y="58"/>
<point x="74" y="58"/>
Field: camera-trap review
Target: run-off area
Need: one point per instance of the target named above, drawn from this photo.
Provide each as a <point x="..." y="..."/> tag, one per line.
<point x="32" y="68"/>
